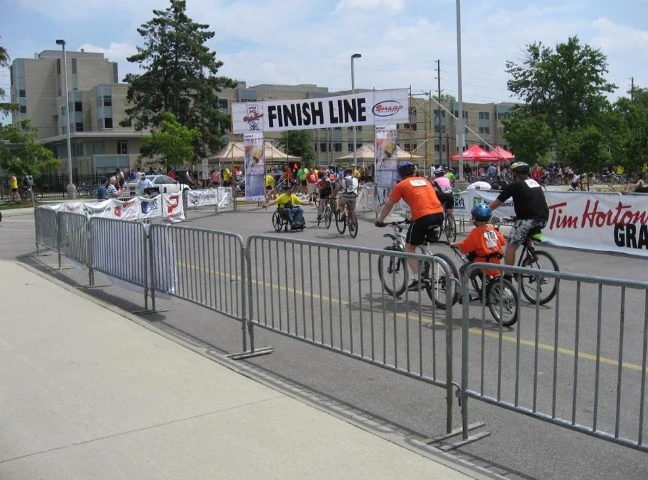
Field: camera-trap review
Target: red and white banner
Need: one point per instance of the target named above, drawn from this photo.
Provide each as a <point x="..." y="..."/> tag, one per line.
<point x="133" y="209"/>
<point x="606" y="222"/>
<point x="366" y="108"/>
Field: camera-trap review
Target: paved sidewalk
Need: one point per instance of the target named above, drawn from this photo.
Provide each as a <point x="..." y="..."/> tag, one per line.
<point x="90" y="392"/>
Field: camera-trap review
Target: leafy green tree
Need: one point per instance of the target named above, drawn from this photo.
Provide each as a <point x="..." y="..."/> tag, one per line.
<point x="173" y="141"/>
<point x="628" y="132"/>
<point x="299" y="143"/>
<point x="21" y="154"/>
<point x="180" y="78"/>
<point x="585" y="148"/>
<point x="529" y="137"/>
<point x="566" y="89"/>
<point x="4" y="62"/>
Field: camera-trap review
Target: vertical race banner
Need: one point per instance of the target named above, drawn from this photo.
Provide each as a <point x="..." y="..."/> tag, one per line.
<point x="254" y="166"/>
<point x="386" y="155"/>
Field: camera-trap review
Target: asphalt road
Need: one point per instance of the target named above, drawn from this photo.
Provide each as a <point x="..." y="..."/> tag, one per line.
<point x="518" y="446"/>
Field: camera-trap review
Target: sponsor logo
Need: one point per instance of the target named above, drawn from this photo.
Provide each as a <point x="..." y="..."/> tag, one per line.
<point x="387" y="108"/>
<point x="253" y="116"/>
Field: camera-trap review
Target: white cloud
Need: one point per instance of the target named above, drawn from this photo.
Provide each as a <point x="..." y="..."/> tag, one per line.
<point x="362" y="6"/>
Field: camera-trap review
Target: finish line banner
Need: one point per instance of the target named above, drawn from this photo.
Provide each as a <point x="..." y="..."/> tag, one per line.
<point x="367" y="108"/>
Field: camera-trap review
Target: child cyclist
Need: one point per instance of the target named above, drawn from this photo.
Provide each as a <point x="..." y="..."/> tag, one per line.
<point x="484" y="243"/>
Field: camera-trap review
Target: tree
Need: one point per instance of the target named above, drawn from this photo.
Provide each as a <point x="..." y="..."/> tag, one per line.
<point x="627" y="129"/>
<point x="180" y="78"/>
<point x="299" y="143"/>
<point x="529" y="137"/>
<point x="567" y="86"/>
<point x="173" y="141"/>
<point x="4" y="62"/>
<point x="22" y="154"/>
<point x="566" y="90"/>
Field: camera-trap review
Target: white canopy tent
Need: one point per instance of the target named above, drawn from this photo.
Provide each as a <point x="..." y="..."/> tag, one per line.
<point x="234" y="153"/>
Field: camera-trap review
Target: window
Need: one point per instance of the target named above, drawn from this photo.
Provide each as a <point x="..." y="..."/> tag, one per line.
<point x="78" y="127"/>
<point x="107" y="101"/>
<point x="74" y="66"/>
<point x="407" y="147"/>
<point x="23" y="109"/>
<point x="337" y="147"/>
<point x="337" y="128"/>
<point x="484" y="115"/>
<point x="122" y="147"/>
<point x="349" y="147"/>
<point x="504" y="116"/>
<point x="222" y="104"/>
<point x="411" y="126"/>
<point x="484" y="130"/>
<point x="22" y="93"/>
<point x="464" y="113"/>
<point x="58" y="66"/>
<point x="442" y="128"/>
<point x="322" y="147"/>
<point x="436" y="114"/>
<point x="108" y="123"/>
<point x="78" y="107"/>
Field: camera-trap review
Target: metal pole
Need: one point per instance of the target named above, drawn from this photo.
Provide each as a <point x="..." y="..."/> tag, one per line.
<point x="440" y="110"/>
<point x="71" y="189"/>
<point x="355" y="132"/>
<point x="460" y="120"/>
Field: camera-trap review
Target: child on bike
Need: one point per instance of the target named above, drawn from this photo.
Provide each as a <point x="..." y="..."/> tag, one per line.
<point x="484" y="243"/>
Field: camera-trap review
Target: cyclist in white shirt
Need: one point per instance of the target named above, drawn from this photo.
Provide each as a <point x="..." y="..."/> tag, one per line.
<point x="347" y="187"/>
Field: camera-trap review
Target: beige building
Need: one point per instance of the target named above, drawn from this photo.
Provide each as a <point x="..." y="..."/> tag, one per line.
<point x="96" y="100"/>
<point x="98" y="103"/>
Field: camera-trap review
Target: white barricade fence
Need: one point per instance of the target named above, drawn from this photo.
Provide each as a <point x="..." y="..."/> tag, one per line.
<point x="221" y="198"/>
<point x="608" y="222"/>
<point x="166" y="205"/>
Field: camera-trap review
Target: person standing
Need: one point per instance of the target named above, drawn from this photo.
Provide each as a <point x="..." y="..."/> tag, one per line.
<point x="112" y="190"/>
<point x="143" y="185"/>
<point x="215" y="179"/>
<point x="301" y="176"/>
<point x="531" y="210"/>
<point x="102" y="191"/>
<point x="426" y="211"/>
<point x="13" y="186"/>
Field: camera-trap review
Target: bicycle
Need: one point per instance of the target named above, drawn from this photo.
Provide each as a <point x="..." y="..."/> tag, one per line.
<point x="327" y="213"/>
<point x="535" y="288"/>
<point x="495" y="291"/>
<point x="28" y="194"/>
<point x="394" y="273"/>
<point x="449" y="227"/>
<point x="344" y="219"/>
<point x="86" y="190"/>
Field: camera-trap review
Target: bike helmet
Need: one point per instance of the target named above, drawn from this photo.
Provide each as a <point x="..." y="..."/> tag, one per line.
<point x="481" y="212"/>
<point x="439" y="172"/>
<point x="406" y="169"/>
<point x="520" y="167"/>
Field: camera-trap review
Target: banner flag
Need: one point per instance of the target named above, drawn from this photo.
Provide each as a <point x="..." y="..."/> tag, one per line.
<point x="366" y="108"/>
<point x="386" y="155"/>
<point x="254" y="166"/>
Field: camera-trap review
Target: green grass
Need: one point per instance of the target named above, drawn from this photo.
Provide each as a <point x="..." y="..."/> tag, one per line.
<point x="13" y="206"/>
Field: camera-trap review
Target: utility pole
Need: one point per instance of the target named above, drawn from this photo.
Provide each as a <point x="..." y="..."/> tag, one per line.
<point x="632" y="89"/>
<point x="439" y="111"/>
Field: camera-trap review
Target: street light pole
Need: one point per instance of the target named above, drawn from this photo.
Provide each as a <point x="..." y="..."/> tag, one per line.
<point x="460" y="122"/>
<point x="71" y="189"/>
<point x="355" y="140"/>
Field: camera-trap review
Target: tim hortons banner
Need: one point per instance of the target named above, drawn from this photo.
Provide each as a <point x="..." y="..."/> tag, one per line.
<point x="606" y="222"/>
<point x="136" y="208"/>
<point x="366" y="108"/>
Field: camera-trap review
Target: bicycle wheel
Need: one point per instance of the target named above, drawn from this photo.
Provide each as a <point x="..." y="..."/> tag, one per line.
<point x="353" y="227"/>
<point x="316" y="199"/>
<point x="450" y="229"/>
<point x="502" y="300"/>
<point x="537" y="289"/>
<point x="340" y="221"/>
<point x="393" y="273"/>
<point x="328" y="216"/>
<point x="437" y="283"/>
<point x="38" y="195"/>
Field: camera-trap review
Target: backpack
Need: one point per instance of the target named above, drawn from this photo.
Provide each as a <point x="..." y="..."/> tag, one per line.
<point x="348" y="186"/>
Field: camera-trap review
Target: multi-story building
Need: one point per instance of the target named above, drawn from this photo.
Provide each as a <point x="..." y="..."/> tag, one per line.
<point x="98" y="103"/>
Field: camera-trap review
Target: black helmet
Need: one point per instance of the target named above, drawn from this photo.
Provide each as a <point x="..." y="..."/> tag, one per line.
<point x="439" y="172"/>
<point x="481" y="212"/>
<point x="520" y="167"/>
<point x="406" y="169"/>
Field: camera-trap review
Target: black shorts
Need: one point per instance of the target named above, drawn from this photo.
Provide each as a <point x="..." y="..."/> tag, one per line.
<point x="418" y="228"/>
<point x="447" y="200"/>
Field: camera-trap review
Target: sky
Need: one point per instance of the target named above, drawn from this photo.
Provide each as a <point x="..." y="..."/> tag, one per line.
<point x="311" y="41"/>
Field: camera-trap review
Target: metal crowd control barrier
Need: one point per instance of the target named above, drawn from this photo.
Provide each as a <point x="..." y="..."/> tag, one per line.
<point x="331" y="296"/>
<point x="47" y="229"/>
<point x="205" y="267"/>
<point x="578" y="362"/>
